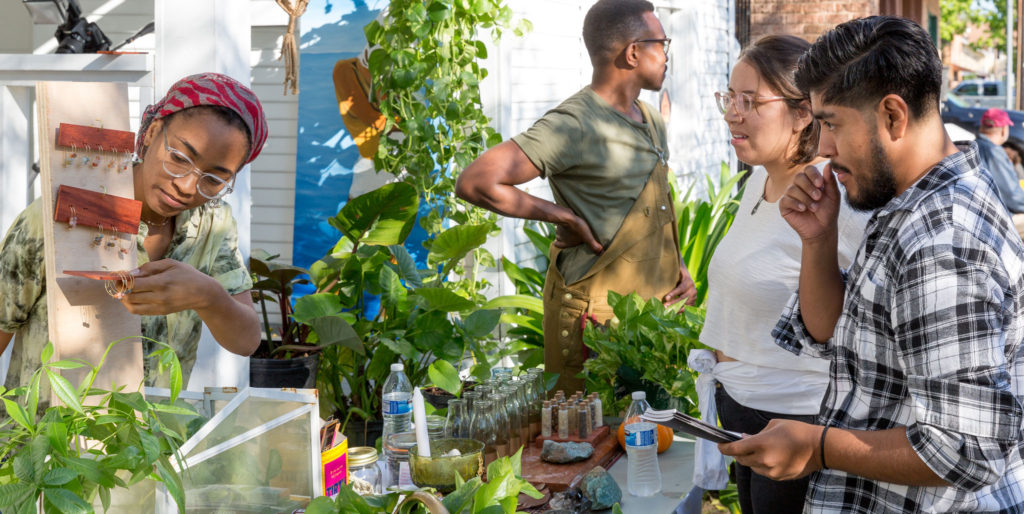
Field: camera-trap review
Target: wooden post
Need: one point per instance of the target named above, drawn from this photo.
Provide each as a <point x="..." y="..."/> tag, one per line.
<point x="83" y="319"/>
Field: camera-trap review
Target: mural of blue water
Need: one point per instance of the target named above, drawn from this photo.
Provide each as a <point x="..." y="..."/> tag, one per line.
<point x="326" y="155"/>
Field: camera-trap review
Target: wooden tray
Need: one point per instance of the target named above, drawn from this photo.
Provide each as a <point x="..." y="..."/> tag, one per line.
<point x="560" y="477"/>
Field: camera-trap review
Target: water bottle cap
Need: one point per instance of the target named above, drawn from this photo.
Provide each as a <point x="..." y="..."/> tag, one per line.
<point x="639" y="395"/>
<point x="398" y="366"/>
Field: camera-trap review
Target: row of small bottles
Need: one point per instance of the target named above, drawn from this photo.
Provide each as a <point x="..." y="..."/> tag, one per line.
<point x="577" y="416"/>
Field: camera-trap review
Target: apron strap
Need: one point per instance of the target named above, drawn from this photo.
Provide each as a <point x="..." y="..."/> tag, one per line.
<point x="650" y="132"/>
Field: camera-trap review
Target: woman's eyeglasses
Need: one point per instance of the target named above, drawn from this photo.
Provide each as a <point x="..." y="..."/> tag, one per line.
<point x="743" y="102"/>
<point x="178" y="165"/>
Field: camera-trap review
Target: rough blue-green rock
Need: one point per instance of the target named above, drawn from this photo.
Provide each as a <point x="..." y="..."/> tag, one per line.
<point x="599" y="486"/>
<point x="563" y="453"/>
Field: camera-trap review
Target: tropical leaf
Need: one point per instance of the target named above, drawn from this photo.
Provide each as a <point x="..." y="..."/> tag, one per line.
<point x="445" y="376"/>
<point x="454" y="243"/>
<point x="441" y="299"/>
<point x="383" y="216"/>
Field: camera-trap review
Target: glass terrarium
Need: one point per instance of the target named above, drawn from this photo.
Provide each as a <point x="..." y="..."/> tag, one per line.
<point x="257" y="452"/>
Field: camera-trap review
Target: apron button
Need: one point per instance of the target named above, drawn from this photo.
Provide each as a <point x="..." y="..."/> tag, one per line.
<point x="567" y="297"/>
<point x="565" y="352"/>
<point x="565" y="333"/>
<point x="565" y="315"/>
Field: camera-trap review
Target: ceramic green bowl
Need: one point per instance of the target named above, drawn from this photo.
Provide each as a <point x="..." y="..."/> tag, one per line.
<point x="438" y="471"/>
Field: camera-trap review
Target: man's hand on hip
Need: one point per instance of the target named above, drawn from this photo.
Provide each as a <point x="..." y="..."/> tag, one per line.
<point x="574" y="232"/>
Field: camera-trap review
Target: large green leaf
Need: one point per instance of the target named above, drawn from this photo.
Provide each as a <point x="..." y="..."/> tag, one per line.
<point x="456" y="242"/>
<point x="383" y="216"/>
<point x="315" y="306"/>
<point x="67" y="394"/>
<point x="445" y="376"/>
<point x="406" y="266"/>
<point x="441" y="299"/>
<point x="334" y="330"/>
<point x="11" y="494"/>
<point x="516" y="301"/>
<point x="482" y="322"/>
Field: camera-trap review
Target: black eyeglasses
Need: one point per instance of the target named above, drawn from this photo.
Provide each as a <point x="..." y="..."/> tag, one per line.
<point x="665" y="42"/>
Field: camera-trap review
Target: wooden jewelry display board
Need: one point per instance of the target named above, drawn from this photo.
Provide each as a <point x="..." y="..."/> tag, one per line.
<point x="84" y="156"/>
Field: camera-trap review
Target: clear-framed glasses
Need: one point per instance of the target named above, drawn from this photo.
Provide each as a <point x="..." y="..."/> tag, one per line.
<point x="179" y="165"/>
<point x="666" y="42"/>
<point x="743" y="102"/>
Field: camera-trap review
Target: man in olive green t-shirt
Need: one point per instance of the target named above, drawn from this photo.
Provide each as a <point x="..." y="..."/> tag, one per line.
<point x="596" y="149"/>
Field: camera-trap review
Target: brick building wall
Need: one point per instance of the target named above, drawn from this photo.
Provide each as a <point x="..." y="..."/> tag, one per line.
<point x="804" y="18"/>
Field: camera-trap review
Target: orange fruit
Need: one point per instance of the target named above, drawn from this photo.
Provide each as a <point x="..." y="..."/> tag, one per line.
<point x="664" y="437"/>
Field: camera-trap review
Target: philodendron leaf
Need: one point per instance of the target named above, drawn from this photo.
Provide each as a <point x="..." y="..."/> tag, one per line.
<point x="316" y="305"/>
<point x="445" y="376"/>
<point x="335" y="330"/>
<point x="406" y="266"/>
<point x="383" y="216"/>
<point x="456" y="242"/>
<point x="441" y="299"/>
<point x="482" y="322"/>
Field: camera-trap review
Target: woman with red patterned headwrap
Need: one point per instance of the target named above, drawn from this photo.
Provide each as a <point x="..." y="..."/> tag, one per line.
<point x="191" y="145"/>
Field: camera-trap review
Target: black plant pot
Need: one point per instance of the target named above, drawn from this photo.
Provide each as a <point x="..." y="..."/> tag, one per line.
<point x="629" y="380"/>
<point x="437" y="397"/>
<point x="363" y="433"/>
<point x="299" y="372"/>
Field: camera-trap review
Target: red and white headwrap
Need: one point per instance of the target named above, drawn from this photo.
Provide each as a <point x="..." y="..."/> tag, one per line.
<point x="211" y="89"/>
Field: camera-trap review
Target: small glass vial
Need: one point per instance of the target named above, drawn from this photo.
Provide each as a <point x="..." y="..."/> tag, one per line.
<point x="363" y="474"/>
<point x="563" y="422"/>
<point x="559" y="396"/>
<point x="574" y="420"/>
<point x="584" y="420"/>
<point x="435" y="427"/>
<point x="545" y="419"/>
<point x="397" y="454"/>
<point x="598" y="413"/>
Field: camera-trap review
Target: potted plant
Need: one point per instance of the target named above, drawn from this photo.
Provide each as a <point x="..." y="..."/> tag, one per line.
<point x="289" y="357"/>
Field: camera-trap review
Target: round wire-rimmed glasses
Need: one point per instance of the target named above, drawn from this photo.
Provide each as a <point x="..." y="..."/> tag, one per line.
<point x="178" y="165"/>
<point x="743" y="102"/>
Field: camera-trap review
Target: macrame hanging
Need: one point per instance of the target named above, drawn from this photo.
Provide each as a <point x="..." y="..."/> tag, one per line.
<point x="289" y="48"/>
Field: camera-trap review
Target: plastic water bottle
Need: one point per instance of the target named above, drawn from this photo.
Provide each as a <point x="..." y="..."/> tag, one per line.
<point x="396" y="402"/>
<point x="644" y="477"/>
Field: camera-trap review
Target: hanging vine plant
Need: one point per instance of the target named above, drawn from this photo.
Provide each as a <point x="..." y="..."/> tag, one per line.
<point x="426" y="82"/>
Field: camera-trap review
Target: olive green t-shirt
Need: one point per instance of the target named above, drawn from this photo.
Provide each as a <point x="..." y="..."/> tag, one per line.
<point x="597" y="161"/>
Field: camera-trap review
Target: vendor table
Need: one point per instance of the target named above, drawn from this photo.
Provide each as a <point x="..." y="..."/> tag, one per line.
<point x="676" y="465"/>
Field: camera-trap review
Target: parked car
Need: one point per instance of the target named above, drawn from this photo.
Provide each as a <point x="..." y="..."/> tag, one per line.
<point x="982" y="93"/>
<point x="968" y="117"/>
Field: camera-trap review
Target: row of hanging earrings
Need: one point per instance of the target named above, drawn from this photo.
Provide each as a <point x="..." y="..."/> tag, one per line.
<point x="78" y="158"/>
<point x="109" y="239"/>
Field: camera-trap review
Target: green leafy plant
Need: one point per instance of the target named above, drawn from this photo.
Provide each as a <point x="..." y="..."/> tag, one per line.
<point x="424" y="315"/>
<point x="703" y="223"/>
<point x="499" y="494"/>
<point x="645" y="336"/>
<point x="309" y="332"/>
<point x="427" y="85"/>
<point x="96" y="441"/>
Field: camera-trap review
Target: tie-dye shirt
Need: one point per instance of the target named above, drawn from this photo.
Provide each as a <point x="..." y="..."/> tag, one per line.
<point x="205" y="238"/>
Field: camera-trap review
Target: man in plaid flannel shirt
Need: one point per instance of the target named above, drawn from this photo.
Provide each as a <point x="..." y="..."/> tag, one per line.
<point x="923" y="413"/>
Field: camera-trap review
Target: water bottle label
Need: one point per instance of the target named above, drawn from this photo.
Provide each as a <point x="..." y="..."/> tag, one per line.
<point x="392" y="407"/>
<point x="640" y="438"/>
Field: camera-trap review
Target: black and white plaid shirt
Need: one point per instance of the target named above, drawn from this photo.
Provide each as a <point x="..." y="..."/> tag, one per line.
<point x="930" y="339"/>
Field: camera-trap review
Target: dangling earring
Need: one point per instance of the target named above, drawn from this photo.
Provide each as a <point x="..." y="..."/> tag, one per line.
<point x="73" y="220"/>
<point x="112" y="239"/>
<point x="73" y="156"/>
<point x="125" y="245"/>
<point x="85" y="158"/>
<point x="67" y="160"/>
<point x="98" y="238"/>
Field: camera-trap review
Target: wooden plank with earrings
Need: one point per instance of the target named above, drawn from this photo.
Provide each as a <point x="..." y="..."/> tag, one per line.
<point x="91" y="223"/>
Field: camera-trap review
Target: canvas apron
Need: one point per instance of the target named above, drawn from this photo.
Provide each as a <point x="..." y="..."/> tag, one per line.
<point x="643" y="257"/>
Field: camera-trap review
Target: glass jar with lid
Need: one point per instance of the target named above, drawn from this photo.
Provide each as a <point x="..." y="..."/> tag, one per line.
<point x="363" y="474"/>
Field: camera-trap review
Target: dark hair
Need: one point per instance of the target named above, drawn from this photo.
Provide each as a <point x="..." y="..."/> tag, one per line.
<point x="863" y="60"/>
<point x="775" y="57"/>
<point x="228" y="116"/>
<point x="610" y="25"/>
